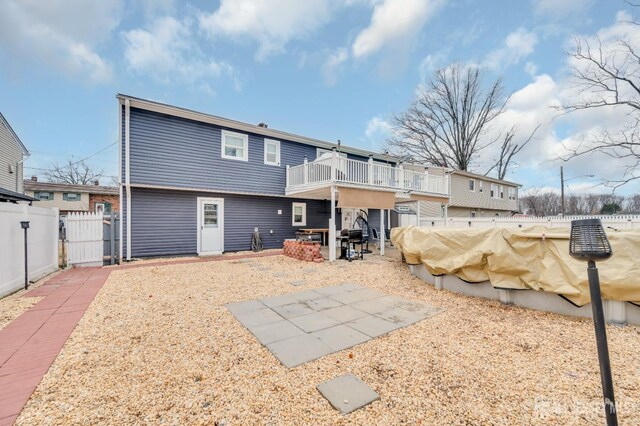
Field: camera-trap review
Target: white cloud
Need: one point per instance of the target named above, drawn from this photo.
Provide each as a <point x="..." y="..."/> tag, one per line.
<point x="168" y="52"/>
<point x="517" y="45"/>
<point x="333" y="65"/>
<point x="394" y="23"/>
<point x="270" y="23"/>
<point x="63" y="35"/>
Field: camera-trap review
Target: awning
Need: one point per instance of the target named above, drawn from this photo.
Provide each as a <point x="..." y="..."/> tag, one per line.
<point x="365" y="198"/>
<point x="416" y="197"/>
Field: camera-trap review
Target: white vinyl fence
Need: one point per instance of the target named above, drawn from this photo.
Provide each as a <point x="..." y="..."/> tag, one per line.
<point x="42" y="238"/>
<point x="617" y="221"/>
<point x="84" y="239"/>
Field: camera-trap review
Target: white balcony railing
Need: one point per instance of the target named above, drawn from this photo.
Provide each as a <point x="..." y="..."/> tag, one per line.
<point x="333" y="168"/>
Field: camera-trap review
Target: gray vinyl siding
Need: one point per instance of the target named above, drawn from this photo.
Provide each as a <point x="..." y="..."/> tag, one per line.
<point x="10" y="155"/>
<point x="165" y="222"/>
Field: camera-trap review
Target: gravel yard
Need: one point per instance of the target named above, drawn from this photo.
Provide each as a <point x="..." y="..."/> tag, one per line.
<point x="158" y="346"/>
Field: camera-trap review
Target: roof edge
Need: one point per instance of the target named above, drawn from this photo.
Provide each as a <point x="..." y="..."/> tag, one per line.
<point x="25" y="151"/>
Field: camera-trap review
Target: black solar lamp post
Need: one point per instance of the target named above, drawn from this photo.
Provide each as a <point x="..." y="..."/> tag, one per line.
<point x="589" y="242"/>
<point x="25" y="226"/>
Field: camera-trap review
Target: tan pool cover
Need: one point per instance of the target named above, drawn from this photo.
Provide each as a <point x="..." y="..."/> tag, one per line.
<point x="529" y="258"/>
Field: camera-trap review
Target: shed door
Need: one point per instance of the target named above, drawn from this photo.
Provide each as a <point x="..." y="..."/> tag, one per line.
<point x="211" y="225"/>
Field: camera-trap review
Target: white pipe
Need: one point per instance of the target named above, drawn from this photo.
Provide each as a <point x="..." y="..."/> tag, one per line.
<point x="382" y="232"/>
<point x="18" y="174"/>
<point x="121" y="181"/>
<point x="332" y="226"/>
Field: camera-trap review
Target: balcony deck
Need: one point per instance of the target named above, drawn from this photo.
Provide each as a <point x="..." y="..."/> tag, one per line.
<point x="335" y="170"/>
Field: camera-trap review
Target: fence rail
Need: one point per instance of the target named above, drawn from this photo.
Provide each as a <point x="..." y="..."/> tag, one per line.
<point x="617" y="221"/>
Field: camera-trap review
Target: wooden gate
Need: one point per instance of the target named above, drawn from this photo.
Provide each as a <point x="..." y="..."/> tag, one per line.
<point x="84" y="239"/>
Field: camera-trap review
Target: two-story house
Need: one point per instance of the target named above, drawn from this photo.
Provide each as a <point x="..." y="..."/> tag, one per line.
<point x="195" y="183"/>
<point x="474" y="195"/>
<point x="74" y="198"/>
<point x="13" y="153"/>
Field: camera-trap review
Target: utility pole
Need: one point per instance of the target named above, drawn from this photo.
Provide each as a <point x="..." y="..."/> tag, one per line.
<point x="562" y="189"/>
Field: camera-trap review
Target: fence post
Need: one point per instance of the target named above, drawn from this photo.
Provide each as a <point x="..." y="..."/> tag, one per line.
<point x="370" y="169"/>
<point x="112" y="238"/>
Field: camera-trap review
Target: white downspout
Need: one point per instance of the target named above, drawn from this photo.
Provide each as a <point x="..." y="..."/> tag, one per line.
<point x="127" y="141"/>
<point x="382" y="232"/>
<point x="24" y="158"/>
<point x="121" y="179"/>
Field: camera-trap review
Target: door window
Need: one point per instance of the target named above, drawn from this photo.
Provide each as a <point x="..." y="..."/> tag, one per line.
<point x="210" y="215"/>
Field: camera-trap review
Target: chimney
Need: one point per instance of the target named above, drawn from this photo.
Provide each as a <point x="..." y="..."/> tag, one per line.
<point x="96" y="182"/>
<point x="34" y="178"/>
<point x="263" y="125"/>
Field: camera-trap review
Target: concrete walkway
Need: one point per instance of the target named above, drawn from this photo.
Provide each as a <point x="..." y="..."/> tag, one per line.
<point x="30" y="344"/>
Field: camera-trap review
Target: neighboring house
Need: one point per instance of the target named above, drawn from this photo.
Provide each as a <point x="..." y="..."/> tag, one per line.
<point x="194" y="183"/>
<point x="474" y="195"/>
<point x="74" y="198"/>
<point x="12" y="156"/>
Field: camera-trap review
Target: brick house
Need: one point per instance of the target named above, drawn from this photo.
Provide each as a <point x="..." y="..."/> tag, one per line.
<point x="74" y="198"/>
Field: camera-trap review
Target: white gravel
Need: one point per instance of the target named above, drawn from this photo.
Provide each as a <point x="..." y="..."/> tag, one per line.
<point x="158" y="346"/>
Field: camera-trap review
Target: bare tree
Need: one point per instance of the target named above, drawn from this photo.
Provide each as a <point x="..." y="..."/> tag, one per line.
<point x="75" y="173"/>
<point x="608" y="76"/>
<point x="449" y="122"/>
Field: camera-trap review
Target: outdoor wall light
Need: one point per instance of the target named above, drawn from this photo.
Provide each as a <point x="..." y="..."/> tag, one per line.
<point x="589" y="242"/>
<point x="25" y="225"/>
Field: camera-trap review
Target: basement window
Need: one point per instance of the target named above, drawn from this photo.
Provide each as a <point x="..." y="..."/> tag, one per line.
<point x="299" y="214"/>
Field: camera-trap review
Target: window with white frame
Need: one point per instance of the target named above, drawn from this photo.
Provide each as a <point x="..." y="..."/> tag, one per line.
<point x="235" y="146"/>
<point x="299" y="214"/>
<point x="472" y="184"/>
<point x="480" y="186"/>
<point x="272" y="152"/>
<point x="494" y="190"/>
<point x="512" y="193"/>
<point x="501" y="191"/>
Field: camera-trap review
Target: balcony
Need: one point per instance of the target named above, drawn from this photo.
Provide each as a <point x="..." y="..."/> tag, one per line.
<point x="332" y="169"/>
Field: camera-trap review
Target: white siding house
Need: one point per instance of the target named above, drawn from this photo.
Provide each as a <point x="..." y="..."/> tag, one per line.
<point x="12" y="156"/>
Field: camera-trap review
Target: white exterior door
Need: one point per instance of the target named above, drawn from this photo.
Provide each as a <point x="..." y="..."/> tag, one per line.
<point x="210" y="226"/>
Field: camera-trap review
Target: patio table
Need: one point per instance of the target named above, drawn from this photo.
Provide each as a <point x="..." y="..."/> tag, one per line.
<point x="323" y="231"/>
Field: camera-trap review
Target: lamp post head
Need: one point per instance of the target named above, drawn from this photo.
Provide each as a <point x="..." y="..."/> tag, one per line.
<point x="24" y="224"/>
<point x="588" y="241"/>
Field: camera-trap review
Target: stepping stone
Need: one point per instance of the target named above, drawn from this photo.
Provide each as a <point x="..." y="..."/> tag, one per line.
<point x="314" y="322"/>
<point x="298" y="350"/>
<point x="274" y="332"/>
<point x="279" y="274"/>
<point x="297" y="283"/>
<point x="245" y="260"/>
<point x="347" y="393"/>
<point x="340" y="337"/>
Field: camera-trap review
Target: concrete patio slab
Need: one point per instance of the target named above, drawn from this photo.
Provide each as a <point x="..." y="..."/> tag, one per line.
<point x="302" y="326"/>
<point x="340" y="337"/>
<point x="299" y="349"/>
<point x="345" y="313"/>
<point x="373" y="326"/>
<point x="347" y="393"/>
<point x="275" y="331"/>
<point x="314" y="322"/>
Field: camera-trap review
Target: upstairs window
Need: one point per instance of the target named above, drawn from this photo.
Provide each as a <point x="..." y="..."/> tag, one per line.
<point x="235" y="146"/>
<point x="272" y="152"/>
<point x="479" y="186"/>
<point x="299" y="214"/>
<point x="512" y="193"/>
<point x="501" y="191"/>
<point x="71" y="196"/>
<point x="494" y="190"/>
<point x="43" y="195"/>
<point x="472" y="184"/>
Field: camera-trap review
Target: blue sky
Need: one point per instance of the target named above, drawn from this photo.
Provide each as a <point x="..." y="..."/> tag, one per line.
<point x="326" y="69"/>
